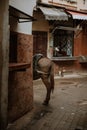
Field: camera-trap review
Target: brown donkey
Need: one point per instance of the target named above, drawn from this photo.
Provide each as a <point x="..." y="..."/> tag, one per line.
<point x="43" y="68"/>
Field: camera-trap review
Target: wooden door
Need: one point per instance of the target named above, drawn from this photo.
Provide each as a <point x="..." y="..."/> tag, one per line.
<point x="13" y="47"/>
<point x="40" y="42"/>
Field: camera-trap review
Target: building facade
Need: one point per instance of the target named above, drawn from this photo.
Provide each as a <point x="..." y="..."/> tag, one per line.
<point x="66" y="32"/>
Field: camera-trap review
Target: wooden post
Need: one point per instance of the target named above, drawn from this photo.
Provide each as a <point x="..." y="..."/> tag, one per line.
<point x="4" y="58"/>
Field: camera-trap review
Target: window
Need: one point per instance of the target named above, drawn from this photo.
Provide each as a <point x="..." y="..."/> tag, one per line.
<point x="62" y="43"/>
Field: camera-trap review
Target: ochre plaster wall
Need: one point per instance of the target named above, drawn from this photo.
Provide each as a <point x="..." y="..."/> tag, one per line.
<point x="41" y="24"/>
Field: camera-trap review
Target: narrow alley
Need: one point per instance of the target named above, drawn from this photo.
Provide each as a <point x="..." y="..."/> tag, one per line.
<point x="67" y="109"/>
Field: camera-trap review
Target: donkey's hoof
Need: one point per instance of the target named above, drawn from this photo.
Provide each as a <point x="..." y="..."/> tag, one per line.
<point x="45" y="103"/>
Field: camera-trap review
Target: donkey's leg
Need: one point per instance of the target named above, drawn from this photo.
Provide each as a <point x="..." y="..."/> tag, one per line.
<point x="46" y="101"/>
<point x="48" y="88"/>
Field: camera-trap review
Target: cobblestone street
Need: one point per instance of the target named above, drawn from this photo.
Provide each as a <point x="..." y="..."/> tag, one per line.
<point x="67" y="109"/>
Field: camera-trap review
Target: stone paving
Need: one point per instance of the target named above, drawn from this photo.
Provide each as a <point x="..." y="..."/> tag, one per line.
<point x="67" y="109"/>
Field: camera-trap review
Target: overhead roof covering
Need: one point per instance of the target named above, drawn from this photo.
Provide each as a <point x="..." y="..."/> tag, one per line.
<point x="19" y="15"/>
<point x="77" y="15"/>
<point x="54" y="13"/>
<point x="73" y="1"/>
<point x="67" y="28"/>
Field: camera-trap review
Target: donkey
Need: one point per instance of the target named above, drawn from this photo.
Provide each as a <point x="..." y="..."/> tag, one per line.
<point x="43" y="68"/>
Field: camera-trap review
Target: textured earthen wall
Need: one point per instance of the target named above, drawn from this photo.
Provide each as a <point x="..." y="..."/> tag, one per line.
<point x="21" y="82"/>
<point x="80" y="48"/>
<point x="68" y="66"/>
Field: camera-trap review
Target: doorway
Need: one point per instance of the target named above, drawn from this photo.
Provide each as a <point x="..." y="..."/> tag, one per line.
<point x="40" y="42"/>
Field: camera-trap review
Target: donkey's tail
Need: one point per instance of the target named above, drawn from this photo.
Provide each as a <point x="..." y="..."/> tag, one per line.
<point x="52" y="77"/>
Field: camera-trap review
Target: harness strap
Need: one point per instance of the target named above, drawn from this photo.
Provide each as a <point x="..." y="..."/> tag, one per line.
<point x="41" y="72"/>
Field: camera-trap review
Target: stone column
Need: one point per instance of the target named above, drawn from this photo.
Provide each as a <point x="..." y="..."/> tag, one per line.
<point x="4" y="49"/>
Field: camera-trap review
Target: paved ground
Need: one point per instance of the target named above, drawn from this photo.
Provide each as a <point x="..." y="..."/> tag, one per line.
<point x="67" y="109"/>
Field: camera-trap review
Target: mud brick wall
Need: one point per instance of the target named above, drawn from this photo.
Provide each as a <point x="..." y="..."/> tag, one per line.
<point x="80" y="48"/>
<point x="20" y="97"/>
<point x="68" y="66"/>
